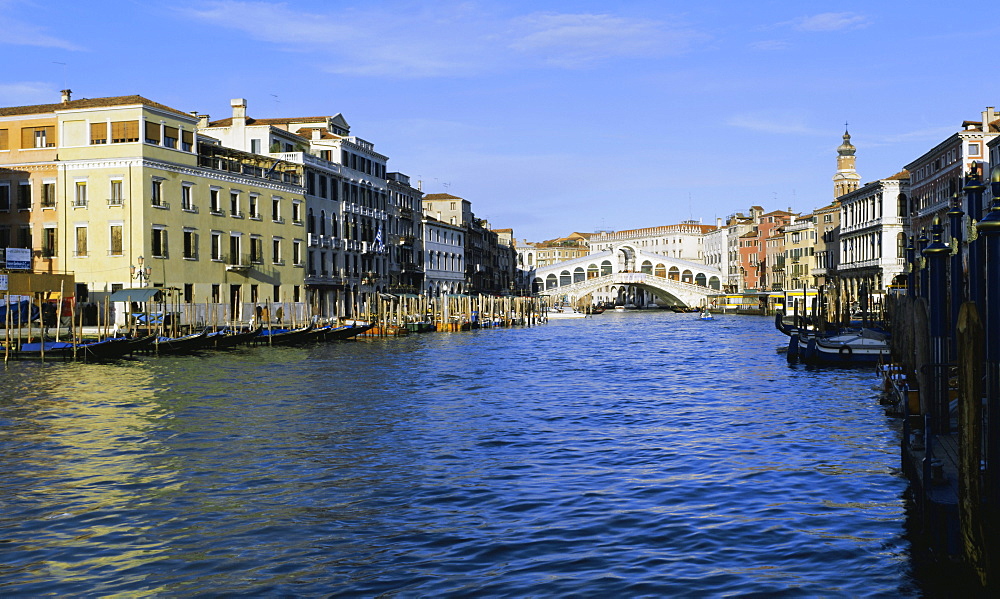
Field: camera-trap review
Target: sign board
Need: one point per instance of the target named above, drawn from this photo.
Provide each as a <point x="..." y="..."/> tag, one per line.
<point x="19" y="258"/>
<point x="3" y="283"/>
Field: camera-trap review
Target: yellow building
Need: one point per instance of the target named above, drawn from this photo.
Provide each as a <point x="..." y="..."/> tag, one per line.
<point x="124" y="193"/>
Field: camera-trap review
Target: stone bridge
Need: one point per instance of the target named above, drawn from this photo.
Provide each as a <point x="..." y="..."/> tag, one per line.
<point x="628" y="275"/>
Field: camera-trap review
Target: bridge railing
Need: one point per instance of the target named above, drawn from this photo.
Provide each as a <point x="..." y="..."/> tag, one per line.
<point x="634" y="278"/>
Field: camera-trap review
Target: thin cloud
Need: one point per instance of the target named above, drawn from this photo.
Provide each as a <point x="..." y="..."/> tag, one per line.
<point x="575" y="40"/>
<point x="26" y="93"/>
<point x="830" y="21"/>
<point x="18" y="32"/>
<point x="770" y="45"/>
<point x="467" y="39"/>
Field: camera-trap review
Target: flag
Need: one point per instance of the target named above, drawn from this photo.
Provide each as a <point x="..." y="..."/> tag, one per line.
<point x="379" y="246"/>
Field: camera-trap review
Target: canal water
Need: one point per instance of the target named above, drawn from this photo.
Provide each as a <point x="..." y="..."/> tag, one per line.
<point x="627" y="454"/>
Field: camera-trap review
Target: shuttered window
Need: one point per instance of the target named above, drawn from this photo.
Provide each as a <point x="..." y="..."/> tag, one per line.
<point x="152" y="133"/>
<point x="170" y="137"/>
<point x="4" y="140"/>
<point x="98" y="133"/>
<point x="124" y="132"/>
<point x="116" y="240"/>
<point x="81" y="241"/>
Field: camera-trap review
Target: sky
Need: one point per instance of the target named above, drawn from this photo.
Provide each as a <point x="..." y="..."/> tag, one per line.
<point x="550" y="117"/>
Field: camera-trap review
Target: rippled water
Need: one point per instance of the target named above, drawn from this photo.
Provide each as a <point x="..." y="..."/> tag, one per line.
<point x="625" y="454"/>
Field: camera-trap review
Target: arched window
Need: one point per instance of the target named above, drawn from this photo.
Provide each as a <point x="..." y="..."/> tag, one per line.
<point x="903" y="208"/>
<point x="687" y="277"/>
<point x="550" y="281"/>
<point x="565" y="278"/>
<point x="322" y="222"/>
<point x="578" y="274"/>
<point x="536" y="285"/>
<point x="715" y="283"/>
<point x="311" y="222"/>
<point x="699" y="279"/>
<point x="593" y="272"/>
<point x="647" y="267"/>
<point x="606" y="267"/>
<point x="674" y="274"/>
<point x="660" y="271"/>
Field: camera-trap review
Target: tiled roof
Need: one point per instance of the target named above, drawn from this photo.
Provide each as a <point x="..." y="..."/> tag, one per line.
<point x="440" y="196"/>
<point x="88" y="103"/>
<point x="903" y="174"/>
<point x="227" y="122"/>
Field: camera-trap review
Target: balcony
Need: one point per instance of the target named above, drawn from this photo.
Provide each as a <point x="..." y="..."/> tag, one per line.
<point x="406" y="240"/>
<point x="158" y="203"/>
<point x="113" y="202"/>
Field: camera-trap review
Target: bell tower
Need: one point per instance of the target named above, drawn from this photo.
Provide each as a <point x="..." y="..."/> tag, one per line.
<point x="847" y="178"/>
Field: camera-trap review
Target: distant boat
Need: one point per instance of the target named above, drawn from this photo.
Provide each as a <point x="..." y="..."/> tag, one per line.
<point x="558" y="312"/>
<point x="706" y="315"/>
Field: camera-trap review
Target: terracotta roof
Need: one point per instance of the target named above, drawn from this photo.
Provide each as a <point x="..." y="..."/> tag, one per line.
<point x="307" y="132"/>
<point x="503" y="230"/>
<point x="441" y="196"/>
<point x="227" y="122"/>
<point x="88" y="103"/>
<point x="903" y="174"/>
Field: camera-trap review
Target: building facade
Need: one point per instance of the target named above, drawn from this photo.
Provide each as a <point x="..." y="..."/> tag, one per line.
<point x="129" y="194"/>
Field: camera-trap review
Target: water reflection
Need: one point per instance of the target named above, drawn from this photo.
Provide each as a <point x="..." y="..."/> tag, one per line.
<point x="626" y="454"/>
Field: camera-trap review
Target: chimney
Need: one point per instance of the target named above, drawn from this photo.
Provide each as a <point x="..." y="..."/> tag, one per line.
<point x="203" y="121"/>
<point x="988" y="117"/>
<point x="239" y="111"/>
<point x="66" y="95"/>
<point x="316" y="133"/>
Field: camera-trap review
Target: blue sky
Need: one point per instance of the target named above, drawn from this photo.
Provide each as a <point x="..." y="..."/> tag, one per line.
<point x="550" y="117"/>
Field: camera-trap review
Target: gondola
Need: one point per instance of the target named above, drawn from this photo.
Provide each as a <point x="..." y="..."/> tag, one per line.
<point x="285" y="336"/>
<point x="181" y="345"/>
<point x="228" y="337"/>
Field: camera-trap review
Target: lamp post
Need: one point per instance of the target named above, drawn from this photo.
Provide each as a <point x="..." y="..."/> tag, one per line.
<point x="989" y="230"/>
<point x="141" y="273"/>
<point x="955" y="216"/>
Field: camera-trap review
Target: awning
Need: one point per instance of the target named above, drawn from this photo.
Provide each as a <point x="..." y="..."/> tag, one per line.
<point x="141" y="294"/>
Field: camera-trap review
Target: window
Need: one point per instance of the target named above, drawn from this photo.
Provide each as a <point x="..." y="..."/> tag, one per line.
<point x="49" y="242"/>
<point x="188" y="293"/>
<point x="24" y="195"/>
<point x="81" y="241"/>
<point x="256" y="249"/>
<point x="4" y="140"/>
<point x="297" y="213"/>
<point x="454" y="206"/>
<point x="187" y="140"/>
<point x="276" y="209"/>
<point x="24" y="237"/>
<point x="116" y="240"/>
<point x="214" y="204"/>
<point x="234" y="204"/>
<point x="253" y="206"/>
<point x="190" y="244"/>
<point x="152" y="133"/>
<point x="124" y="132"/>
<point x="216" y="249"/>
<point x="98" y="133"/>
<point x="276" y="250"/>
<point x="186" y="198"/>
<point x="38" y="137"/>
<point x="80" y="194"/>
<point x="159" y="242"/>
<point x="255" y="146"/>
<point x="170" y="137"/>
<point x="297" y="252"/>
<point x="156" y="196"/>
<point x="296" y="294"/>
<point x="117" y="198"/>
<point x="5" y="198"/>
<point x="215" y="293"/>
<point x="234" y="249"/>
<point x="277" y="294"/>
<point x="974" y="149"/>
<point x="253" y="294"/>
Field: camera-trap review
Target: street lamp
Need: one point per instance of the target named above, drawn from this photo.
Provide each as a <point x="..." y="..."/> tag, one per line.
<point x="140" y="273"/>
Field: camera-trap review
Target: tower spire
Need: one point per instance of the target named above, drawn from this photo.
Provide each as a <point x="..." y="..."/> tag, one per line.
<point x="846" y="179"/>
